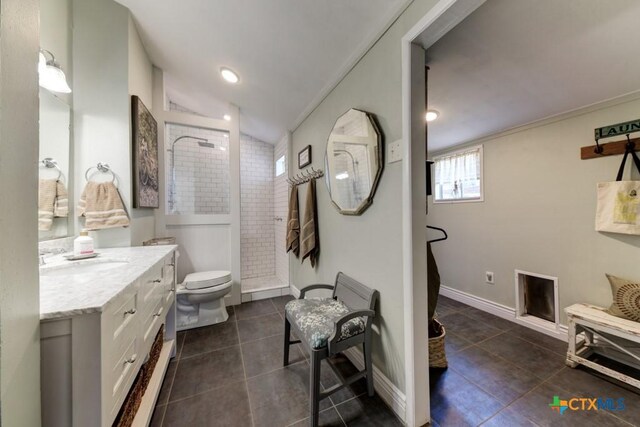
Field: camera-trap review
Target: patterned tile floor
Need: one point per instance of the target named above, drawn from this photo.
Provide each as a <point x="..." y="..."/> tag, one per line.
<point x="231" y="374"/>
<point x="502" y="374"/>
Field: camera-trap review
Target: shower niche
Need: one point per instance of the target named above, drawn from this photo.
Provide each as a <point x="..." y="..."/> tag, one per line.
<point x="537" y="299"/>
<point x="197" y="165"/>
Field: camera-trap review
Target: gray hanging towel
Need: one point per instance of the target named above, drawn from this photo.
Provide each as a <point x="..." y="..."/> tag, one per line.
<point x="309" y="236"/>
<point x="293" y="223"/>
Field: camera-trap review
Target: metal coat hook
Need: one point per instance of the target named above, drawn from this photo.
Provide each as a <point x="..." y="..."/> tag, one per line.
<point x="305" y="176"/>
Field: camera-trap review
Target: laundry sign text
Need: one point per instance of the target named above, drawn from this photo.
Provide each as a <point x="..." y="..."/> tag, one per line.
<point x="617" y="129"/>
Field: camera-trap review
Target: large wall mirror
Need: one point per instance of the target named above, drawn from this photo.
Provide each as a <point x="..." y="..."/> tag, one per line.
<point x="55" y="119"/>
<point x="353" y="162"/>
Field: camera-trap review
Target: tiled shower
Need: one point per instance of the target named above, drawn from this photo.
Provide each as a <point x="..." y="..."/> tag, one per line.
<point x="198" y="183"/>
<point x="259" y="220"/>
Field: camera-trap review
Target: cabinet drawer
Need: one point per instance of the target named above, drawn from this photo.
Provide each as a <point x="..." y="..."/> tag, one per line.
<point x="151" y="288"/>
<point x="122" y="373"/>
<point x="168" y="283"/>
<point x="151" y="325"/>
<point x="120" y="324"/>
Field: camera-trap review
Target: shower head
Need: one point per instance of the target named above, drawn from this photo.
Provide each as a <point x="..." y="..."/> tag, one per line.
<point x="206" y="144"/>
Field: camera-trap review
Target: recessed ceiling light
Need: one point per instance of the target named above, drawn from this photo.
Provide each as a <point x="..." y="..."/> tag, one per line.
<point x="227" y="117"/>
<point x="229" y="75"/>
<point x="432" y="115"/>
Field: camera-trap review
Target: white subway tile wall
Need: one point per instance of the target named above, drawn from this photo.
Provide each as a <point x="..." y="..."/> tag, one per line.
<point x="280" y="209"/>
<point x="256" y="204"/>
<point x="198" y="182"/>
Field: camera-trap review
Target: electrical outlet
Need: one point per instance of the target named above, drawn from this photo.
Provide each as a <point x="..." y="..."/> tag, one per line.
<point x="489" y="277"/>
<point x="394" y="151"/>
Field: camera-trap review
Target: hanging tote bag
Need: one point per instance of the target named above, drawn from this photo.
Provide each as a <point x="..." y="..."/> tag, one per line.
<point x="618" y="208"/>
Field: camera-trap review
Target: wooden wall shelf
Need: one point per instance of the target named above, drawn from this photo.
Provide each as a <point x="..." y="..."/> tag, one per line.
<point x="608" y="149"/>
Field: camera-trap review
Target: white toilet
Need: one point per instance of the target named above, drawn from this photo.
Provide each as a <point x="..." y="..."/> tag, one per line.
<point x="200" y="299"/>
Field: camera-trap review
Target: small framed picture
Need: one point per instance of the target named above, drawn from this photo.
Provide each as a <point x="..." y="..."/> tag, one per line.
<point x="304" y="157"/>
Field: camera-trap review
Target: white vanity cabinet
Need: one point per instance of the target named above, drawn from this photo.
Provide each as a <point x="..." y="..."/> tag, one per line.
<point x="90" y="360"/>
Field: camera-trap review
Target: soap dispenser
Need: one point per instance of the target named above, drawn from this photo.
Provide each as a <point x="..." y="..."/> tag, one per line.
<point x="83" y="244"/>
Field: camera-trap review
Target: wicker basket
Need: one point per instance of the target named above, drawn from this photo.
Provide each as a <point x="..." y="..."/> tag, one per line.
<point x="154" y="355"/>
<point x="132" y="403"/>
<point x="437" y="355"/>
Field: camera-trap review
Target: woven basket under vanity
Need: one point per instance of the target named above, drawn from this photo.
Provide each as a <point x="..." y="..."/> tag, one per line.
<point x="134" y="398"/>
<point x="437" y="355"/>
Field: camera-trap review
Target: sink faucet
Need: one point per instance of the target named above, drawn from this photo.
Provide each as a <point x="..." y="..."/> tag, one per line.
<point x="46" y="253"/>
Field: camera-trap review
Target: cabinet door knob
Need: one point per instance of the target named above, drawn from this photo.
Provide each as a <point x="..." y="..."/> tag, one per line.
<point x="130" y="311"/>
<point x="157" y="281"/>
<point x="132" y="359"/>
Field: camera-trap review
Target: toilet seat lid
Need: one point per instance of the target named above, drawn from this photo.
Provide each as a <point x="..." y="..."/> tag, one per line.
<point x="206" y="279"/>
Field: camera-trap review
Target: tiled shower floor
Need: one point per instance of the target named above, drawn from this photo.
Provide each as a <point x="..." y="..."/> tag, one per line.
<point x="231" y="374"/>
<point x="502" y="374"/>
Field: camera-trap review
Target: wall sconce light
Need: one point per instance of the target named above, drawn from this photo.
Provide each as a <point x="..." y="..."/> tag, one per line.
<point x="50" y="73"/>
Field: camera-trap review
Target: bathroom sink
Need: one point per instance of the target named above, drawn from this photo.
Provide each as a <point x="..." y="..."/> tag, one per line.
<point x="80" y="269"/>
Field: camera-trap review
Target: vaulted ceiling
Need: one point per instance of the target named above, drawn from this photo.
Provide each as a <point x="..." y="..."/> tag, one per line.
<point x="512" y="62"/>
<point x="288" y="53"/>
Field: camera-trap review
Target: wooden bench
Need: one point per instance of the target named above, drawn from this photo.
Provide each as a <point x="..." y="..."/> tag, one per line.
<point x="593" y="330"/>
<point x="329" y="326"/>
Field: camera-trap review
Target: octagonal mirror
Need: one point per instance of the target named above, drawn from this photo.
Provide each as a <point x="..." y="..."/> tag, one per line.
<point x="353" y="162"/>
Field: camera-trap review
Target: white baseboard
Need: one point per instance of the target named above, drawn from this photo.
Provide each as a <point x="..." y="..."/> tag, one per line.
<point x="501" y="311"/>
<point x="294" y="291"/>
<point x="387" y="391"/>
<point x="256" y="295"/>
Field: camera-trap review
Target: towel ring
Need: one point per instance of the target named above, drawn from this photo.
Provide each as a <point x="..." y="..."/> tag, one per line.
<point x="50" y="163"/>
<point x="100" y="167"/>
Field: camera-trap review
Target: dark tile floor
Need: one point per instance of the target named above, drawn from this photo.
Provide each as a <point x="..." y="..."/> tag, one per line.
<point x="231" y="374"/>
<point x="503" y="374"/>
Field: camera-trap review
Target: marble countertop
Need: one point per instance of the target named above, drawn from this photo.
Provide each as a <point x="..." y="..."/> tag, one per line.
<point x="65" y="293"/>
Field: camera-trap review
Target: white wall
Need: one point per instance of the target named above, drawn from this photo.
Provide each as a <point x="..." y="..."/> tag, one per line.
<point x="101" y="100"/>
<point x="140" y="84"/>
<point x="256" y="208"/>
<point x="109" y="65"/>
<point x="367" y="247"/>
<point x="538" y="214"/>
<point x="19" y="290"/>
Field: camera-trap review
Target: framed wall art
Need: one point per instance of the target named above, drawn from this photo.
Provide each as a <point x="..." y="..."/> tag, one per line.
<point x="145" y="156"/>
<point x="304" y="157"/>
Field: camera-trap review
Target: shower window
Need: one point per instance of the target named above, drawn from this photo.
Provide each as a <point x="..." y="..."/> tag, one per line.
<point x="280" y="166"/>
<point x="197" y="164"/>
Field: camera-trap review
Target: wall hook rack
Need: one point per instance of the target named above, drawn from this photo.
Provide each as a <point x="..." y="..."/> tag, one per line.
<point x="612" y="148"/>
<point x="305" y="176"/>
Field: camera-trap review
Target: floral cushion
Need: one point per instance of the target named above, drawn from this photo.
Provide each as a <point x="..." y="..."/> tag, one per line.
<point x="316" y="317"/>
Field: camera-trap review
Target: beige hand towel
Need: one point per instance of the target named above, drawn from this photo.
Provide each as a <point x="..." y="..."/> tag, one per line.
<point x="293" y="223"/>
<point x="46" y="201"/>
<point x="309" y="237"/>
<point x="52" y="202"/>
<point x="101" y="205"/>
<point x="61" y="203"/>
